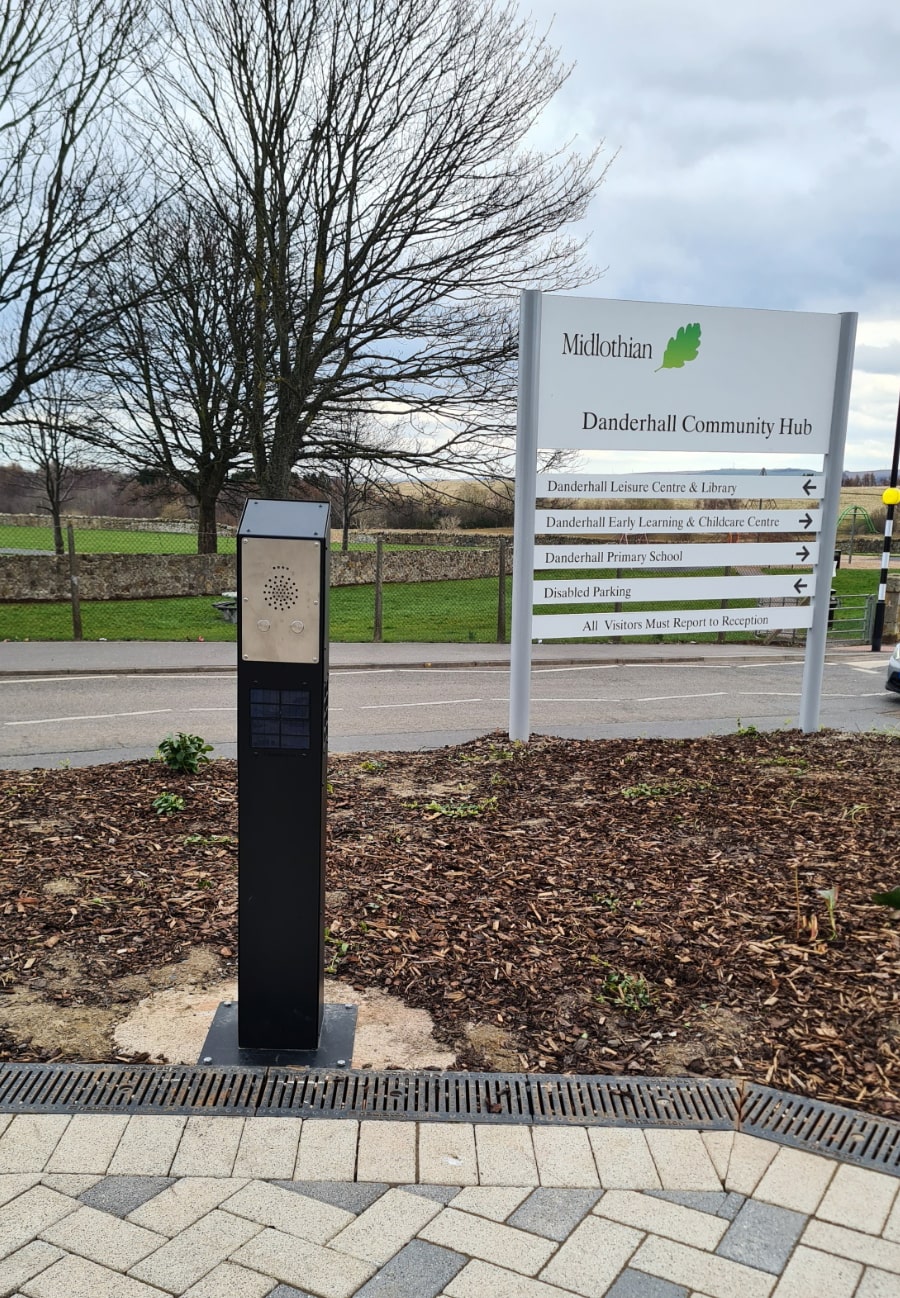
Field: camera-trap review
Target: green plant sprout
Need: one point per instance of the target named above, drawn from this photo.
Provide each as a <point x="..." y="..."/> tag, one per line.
<point x="166" y="803"/>
<point x="830" y="896"/>
<point x="183" y="752"/>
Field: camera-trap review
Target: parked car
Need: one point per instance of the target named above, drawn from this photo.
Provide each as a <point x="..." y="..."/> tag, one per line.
<point x="893" y="671"/>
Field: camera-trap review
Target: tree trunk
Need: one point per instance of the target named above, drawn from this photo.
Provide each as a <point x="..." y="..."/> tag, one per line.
<point x="207" y="532"/>
<point x="59" y="545"/>
<point x="345" y="533"/>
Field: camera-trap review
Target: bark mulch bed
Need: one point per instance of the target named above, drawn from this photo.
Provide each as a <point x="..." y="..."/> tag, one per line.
<point x="634" y="906"/>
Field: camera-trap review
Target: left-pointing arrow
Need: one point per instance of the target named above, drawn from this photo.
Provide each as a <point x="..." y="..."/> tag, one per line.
<point x="809" y="486"/>
<point x="799" y="585"/>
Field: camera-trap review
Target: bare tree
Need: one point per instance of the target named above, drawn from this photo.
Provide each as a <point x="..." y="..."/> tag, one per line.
<point x="179" y="356"/>
<point x="380" y="150"/>
<point x="46" y="433"/>
<point x="354" y="452"/>
<point x="65" y="195"/>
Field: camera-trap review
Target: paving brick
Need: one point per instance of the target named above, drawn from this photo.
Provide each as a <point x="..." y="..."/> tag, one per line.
<point x="184" y="1203"/>
<point x="637" y="1284"/>
<point x="76" y="1277"/>
<point x="810" y="1274"/>
<point x="208" y="1147"/>
<point x="188" y="1257"/>
<point x="592" y="1257"/>
<point x="623" y="1159"/>
<point x="29" y="1140"/>
<point x="71" y="1183"/>
<point x="328" y="1150"/>
<point x="480" y="1279"/>
<point x="23" y="1218"/>
<point x="121" y="1195"/>
<point x="295" y="1214"/>
<point x="15" y="1183"/>
<point x="505" y="1155"/>
<point x="230" y="1281"/>
<point x="268" y="1147"/>
<point x="859" y="1199"/>
<point x="440" y="1193"/>
<point x="387" y="1152"/>
<point x="877" y="1284"/>
<point x="288" y="1291"/>
<point x="695" y="1269"/>
<point x="762" y="1235"/>
<point x="148" y="1145"/>
<point x="463" y="1232"/>
<point x="564" y="1157"/>
<point x="749" y="1159"/>
<point x="795" y="1179"/>
<point x="418" y="1271"/>
<point x="892" y="1226"/>
<point x="102" y="1238"/>
<point x="88" y="1143"/>
<point x="447" y="1153"/>
<point x="719" y="1145"/>
<point x="305" y="1266"/>
<point x="26" y="1262"/>
<point x="699" y="1229"/>
<point x="5" y="1120"/>
<point x="493" y="1201"/>
<point x="352" y="1196"/>
<point x="853" y="1244"/>
<point x="716" y="1202"/>
<point x="553" y="1213"/>
<point x="682" y="1160"/>
<point x="386" y="1227"/>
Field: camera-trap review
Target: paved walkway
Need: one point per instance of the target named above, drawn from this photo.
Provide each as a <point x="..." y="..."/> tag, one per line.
<point x="62" y="657"/>
<point x="100" y="1206"/>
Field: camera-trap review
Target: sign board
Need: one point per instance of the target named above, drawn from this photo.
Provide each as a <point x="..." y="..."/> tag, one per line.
<point x="636" y="376"/>
<point x="687" y="521"/>
<point x="656" y="376"/>
<point x="714" y="555"/>
<point x="682" y="486"/>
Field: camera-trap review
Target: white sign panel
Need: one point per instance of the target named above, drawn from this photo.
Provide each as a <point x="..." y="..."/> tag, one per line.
<point x="640" y="590"/>
<point x="749" y="486"/>
<point x="689" y="621"/>
<point x="689" y="555"/>
<point x="689" y="521"/>
<point x="666" y="377"/>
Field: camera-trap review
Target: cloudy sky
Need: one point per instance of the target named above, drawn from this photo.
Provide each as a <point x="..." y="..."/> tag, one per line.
<point x="757" y="164"/>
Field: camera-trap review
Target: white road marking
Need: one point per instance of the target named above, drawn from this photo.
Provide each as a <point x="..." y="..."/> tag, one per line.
<point x="431" y="703"/>
<point x="95" y="716"/>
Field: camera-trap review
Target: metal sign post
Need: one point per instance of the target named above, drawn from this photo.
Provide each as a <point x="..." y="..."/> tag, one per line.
<point x="283" y="575"/>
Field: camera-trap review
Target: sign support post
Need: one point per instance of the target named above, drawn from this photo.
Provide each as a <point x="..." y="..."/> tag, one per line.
<point x="526" y="489"/>
<point x="816" y="636"/>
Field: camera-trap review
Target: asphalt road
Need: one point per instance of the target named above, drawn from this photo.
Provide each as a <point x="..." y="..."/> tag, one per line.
<point x="98" y="718"/>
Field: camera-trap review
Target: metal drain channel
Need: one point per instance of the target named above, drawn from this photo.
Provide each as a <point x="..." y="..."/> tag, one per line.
<point x="697" y="1104"/>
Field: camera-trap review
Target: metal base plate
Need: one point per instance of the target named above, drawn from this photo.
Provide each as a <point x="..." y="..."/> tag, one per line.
<point x="335" y="1048"/>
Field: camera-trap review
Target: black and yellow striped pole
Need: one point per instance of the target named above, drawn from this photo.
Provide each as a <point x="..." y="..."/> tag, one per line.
<point x="891" y="497"/>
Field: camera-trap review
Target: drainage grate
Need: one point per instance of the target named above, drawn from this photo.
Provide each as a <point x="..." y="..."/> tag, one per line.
<point x="697" y="1104"/>
<point x="821" y="1128"/>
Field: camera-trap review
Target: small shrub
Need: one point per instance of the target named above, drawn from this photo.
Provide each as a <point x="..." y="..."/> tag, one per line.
<point x="166" y="803"/>
<point x="183" y="752"/>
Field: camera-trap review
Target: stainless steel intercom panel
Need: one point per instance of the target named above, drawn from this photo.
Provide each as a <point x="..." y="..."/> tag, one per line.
<point x="281" y="600"/>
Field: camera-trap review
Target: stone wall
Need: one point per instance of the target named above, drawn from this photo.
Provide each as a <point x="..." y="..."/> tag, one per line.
<point x="155" y="576"/>
<point x="101" y="523"/>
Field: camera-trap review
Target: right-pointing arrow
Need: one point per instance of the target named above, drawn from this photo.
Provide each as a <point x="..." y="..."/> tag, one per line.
<point x="806" y="520"/>
<point x="803" y="554"/>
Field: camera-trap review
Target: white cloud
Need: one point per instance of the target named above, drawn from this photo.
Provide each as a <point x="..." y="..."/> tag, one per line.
<point x="759" y="164"/>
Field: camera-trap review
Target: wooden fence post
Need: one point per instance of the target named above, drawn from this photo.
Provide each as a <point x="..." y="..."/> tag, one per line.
<point x="73" y="583"/>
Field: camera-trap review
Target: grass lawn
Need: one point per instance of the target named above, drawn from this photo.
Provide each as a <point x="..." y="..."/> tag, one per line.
<point x="91" y="541"/>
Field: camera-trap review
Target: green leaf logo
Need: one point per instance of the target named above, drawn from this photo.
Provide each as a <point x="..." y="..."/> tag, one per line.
<point x="682" y="348"/>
